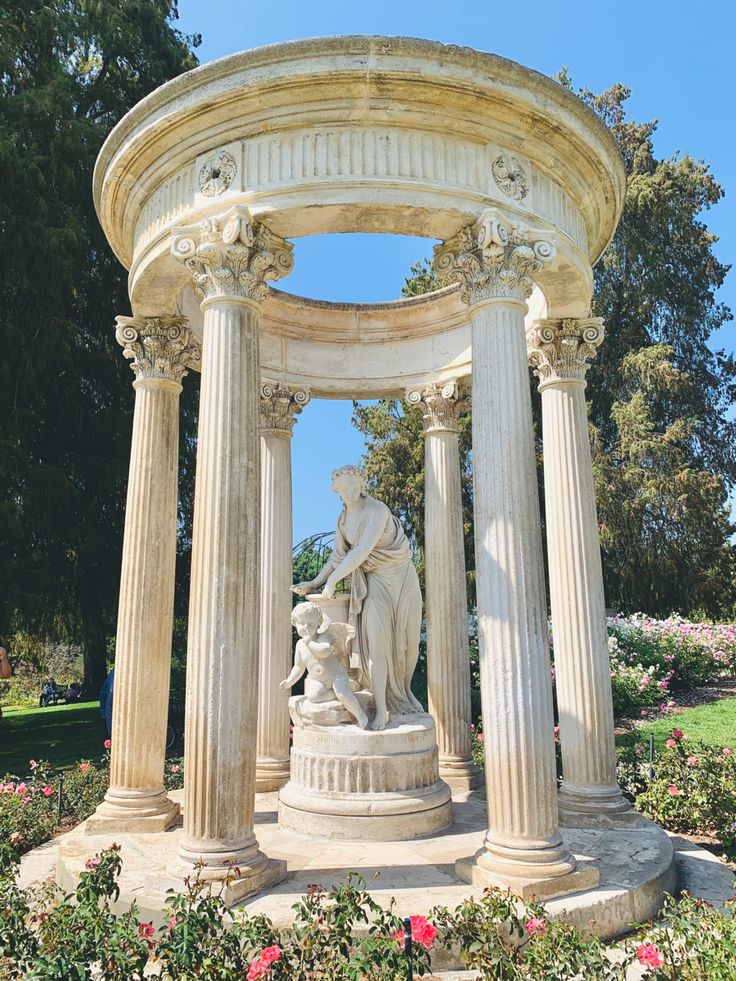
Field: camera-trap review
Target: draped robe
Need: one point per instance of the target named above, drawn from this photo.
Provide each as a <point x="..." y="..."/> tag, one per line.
<point x="386" y="605"/>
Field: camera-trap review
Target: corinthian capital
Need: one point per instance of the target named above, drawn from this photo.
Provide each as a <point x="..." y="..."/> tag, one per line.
<point x="494" y="258"/>
<point x="232" y="256"/>
<point x="158" y="347"/>
<point x="559" y="349"/>
<point x="280" y="406"/>
<point x="441" y="406"/>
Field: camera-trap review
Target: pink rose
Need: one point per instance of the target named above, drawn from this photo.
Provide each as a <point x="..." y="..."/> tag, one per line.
<point x="671" y="743"/>
<point x="678" y="734"/>
<point x="727" y="751"/>
<point x="692" y="761"/>
<point x="256" y="970"/>
<point x="175" y="768"/>
<point x="47" y="791"/>
<point x="84" y="767"/>
<point x="673" y="791"/>
<point x="422" y="932"/>
<point x="649" y="955"/>
<point x="480" y="737"/>
<point x="108" y="743"/>
<point x="92" y="863"/>
<point x="145" y="931"/>
<point x="536" y="925"/>
<point x="270" y="954"/>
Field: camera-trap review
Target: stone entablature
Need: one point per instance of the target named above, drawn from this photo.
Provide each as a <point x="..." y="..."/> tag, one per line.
<point x="517" y="141"/>
<point x="374" y="156"/>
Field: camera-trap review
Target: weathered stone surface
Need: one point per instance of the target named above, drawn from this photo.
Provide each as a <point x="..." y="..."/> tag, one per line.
<point x="351" y="783"/>
<point x="446" y="603"/>
<point x="559" y="353"/>
<point x="636" y="867"/>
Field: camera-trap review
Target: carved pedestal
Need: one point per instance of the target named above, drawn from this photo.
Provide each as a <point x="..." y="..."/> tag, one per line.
<point x="351" y="783"/>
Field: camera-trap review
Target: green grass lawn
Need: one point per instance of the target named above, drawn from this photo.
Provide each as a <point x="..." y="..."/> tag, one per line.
<point x="61" y="734"/>
<point x="714" y="724"/>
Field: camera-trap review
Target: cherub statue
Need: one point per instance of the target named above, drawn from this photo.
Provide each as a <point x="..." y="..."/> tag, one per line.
<point x="323" y="655"/>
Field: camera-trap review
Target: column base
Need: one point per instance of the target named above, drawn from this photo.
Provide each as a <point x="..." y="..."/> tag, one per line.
<point x="527" y="887"/>
<point x="272" y="773"/>
<point x="541" y="868"/>
<point x="594" y="807"/>
<point x="461" y="776"/>
<point x="233" y="883"/>
<point x="129" y="811"/>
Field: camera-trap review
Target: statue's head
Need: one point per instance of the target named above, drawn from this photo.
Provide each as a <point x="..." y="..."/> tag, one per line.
<point x="349" y="483"/>
<point x="306" y="615"/>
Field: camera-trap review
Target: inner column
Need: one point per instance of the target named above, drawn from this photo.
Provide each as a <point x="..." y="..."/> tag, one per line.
<point x="279" y="408"/>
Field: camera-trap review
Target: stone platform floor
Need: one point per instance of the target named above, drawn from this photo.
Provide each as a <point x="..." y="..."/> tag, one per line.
<point x="637" y="864"/>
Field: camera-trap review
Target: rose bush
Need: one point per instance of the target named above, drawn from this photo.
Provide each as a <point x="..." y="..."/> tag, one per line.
<point x="336" y="935"/>
<point x="29" y="804"/>
<point x="693" y="789"/>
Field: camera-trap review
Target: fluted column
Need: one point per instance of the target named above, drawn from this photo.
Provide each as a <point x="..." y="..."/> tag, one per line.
<point x="279" y="409"/>
<point x="229" y="258"/>
<point x="494" y="261"/>
<point x="558" y="351"/>
<point x="448" y="662"/>
<point x="159" y="348"/>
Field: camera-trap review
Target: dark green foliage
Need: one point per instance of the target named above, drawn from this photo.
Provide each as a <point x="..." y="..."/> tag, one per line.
<point x="664" y="446"/>
<point x="69" y="70"/>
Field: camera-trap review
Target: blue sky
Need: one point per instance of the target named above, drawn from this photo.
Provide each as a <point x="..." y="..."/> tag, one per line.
<point x="676" y="56"/>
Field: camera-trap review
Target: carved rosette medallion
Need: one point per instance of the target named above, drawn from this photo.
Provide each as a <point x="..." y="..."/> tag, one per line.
<point x="280" y="406"/>
<point x="559" y="349"/>
<point x="158" y="347"/>
<point x="232" y="256"/>
<point x="441" y="406"/>
<point x="510" y="177"/>
<point x="495" y="258"/>
<point x="217" y="174"/>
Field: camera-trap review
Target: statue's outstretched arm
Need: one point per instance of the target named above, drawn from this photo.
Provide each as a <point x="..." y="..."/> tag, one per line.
<point x="362" y="548"/>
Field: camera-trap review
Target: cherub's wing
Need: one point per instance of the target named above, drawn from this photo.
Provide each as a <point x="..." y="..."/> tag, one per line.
<point x="340" y="636"/>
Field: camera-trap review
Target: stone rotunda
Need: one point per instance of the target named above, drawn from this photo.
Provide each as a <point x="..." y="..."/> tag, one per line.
<point x="200" y="190"/>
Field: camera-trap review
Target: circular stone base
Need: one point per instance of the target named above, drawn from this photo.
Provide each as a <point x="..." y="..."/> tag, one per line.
<point x="636" y="866"/>
<point x="352" y="783"/>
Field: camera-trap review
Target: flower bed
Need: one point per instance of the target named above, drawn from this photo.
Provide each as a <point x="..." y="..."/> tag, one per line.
<point x="336" y="935"/>
<point x="29" y="805"/>
<point x="692" y="789"/>
<point x="652" y="658"/>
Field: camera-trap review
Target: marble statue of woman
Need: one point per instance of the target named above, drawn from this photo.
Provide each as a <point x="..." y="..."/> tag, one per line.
<point x="385" y="599"/>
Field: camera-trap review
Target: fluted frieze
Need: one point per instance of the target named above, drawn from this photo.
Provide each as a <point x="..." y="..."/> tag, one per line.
<point x="441" y="406"/>
<point x="232" y="256"/>
<point x="494" y="258"/>
<point x="559" y="350"/>
<point x="280" y="406"/>
<point x="158" y="347"/>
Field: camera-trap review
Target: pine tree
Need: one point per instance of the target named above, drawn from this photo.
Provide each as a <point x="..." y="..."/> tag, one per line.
<point x="69" y="70"/>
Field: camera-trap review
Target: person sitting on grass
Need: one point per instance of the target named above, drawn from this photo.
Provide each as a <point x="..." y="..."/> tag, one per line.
<point x="317" y="655"/>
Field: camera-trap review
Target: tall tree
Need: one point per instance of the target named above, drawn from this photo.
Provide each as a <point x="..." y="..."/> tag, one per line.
<point x="69" y="70"/>
<point x="664" y="447"/>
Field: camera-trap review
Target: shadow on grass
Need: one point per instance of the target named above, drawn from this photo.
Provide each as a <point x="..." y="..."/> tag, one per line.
<point x="60" y="734"/>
